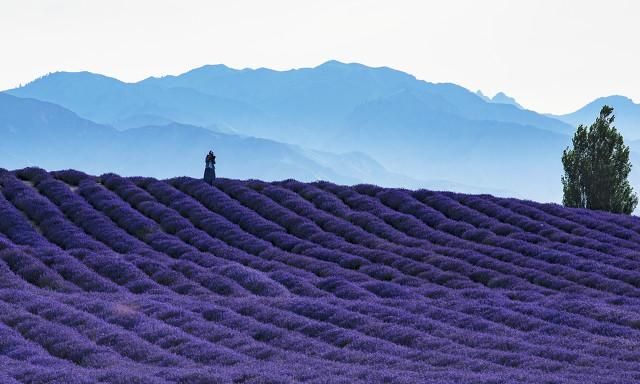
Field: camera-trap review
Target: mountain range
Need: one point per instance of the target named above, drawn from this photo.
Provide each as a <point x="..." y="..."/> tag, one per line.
<point x="342" y="122"/>
<point x="36" y="132"/>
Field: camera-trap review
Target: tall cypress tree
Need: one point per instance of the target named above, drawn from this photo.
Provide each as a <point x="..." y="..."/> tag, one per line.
<point x="597" y="167"/>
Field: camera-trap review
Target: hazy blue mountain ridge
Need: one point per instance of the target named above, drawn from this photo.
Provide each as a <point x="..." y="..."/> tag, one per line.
<point x="410" y="138"/>
<point x="626" y="111"/>
<point x="413" y="129"/>
<point x="37" y="133"/>
<point x="41" y="133"/>
<point x="332" y="90"/>
<point x="304" y="106"/>
<point x="109" y="101"/>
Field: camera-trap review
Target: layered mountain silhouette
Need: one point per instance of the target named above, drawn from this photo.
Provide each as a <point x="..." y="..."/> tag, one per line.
<point x="393" y="127"/>
<point x="41" y="133"/>
<point x="300" y="106"/>
<point x="480" y="152"/>
<point x="324" y="109"/>
<point x="123" y="105"/>
<point x="36" y="132"/>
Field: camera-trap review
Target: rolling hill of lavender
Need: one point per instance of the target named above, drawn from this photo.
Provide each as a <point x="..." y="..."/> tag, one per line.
<point x="115" y="279"/>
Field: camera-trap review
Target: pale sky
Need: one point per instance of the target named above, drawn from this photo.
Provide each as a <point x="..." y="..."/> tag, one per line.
<point x="552" y="56"/>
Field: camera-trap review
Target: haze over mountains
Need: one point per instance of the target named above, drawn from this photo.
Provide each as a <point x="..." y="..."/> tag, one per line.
<point x="627" y="115"/>
<point x="36" y="132"/>
<point x="347" y="123"/>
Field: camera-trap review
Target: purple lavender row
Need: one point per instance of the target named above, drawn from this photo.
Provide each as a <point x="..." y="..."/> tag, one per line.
<point x="449" y="233"/>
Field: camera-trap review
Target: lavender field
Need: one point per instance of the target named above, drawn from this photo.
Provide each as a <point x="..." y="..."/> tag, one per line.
<point x="106" y="279"/>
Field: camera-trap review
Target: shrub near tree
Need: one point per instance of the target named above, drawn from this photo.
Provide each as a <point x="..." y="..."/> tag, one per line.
<point x="597" y="167"/>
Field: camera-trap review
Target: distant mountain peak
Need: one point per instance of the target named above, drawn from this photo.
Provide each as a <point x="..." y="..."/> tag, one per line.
<point x="208" y="70"/>
<point x="499" y="98"/>
<point x="67" y="76"/>
<point x="333" y="63"/>
<point x="502" y="98"/>
<point x="212" y="68"/>
<point x="340" y="65"/>
<point x="483" y="96"/>
<point x="627" y="114"/>
<point x="615" y="99"/>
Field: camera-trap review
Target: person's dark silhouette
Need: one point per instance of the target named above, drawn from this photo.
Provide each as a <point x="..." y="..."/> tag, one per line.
<point x="210" y="168"/>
